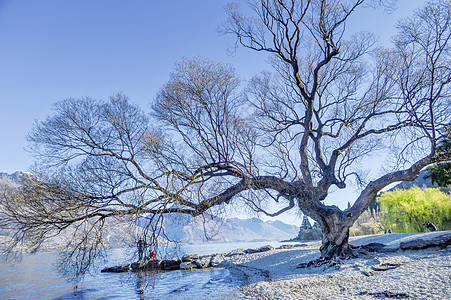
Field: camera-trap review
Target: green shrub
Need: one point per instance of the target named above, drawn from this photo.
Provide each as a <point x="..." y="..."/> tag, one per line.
<point x="407" y="210"/>
<point x="366" y="229"/>
<point x="310" y="234"/>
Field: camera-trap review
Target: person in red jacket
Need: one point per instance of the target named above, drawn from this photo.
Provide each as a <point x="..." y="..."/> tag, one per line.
<point x="152" y="255"/>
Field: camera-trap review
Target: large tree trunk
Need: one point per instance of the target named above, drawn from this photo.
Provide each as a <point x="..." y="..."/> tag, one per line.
<point x="335" y="226"/>
<point x="335" y="242"/>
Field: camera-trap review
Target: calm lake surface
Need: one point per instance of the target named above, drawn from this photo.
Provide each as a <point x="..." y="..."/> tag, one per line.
<point x="35" y="277"/>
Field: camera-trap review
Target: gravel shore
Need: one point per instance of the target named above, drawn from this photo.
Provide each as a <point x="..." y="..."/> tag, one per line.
<point x="424" y="274"/>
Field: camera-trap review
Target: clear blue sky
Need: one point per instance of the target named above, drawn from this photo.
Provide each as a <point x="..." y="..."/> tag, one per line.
<point x="56" y="49"/>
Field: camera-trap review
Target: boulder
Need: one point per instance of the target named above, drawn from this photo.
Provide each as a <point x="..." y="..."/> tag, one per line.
<point x="187" y="266"/>
<point x="266" y="248"/>
<point x="225" y="264"/>
<point x="291" y="246"/>
<point x="190" y="257"/>
<point x="236" y="252"/>
<point x="170" y="264"/>
<point x="117" y="269"/>
<point x="286" y="247"/>
<point x="216" y="260"/>
<point x="147" y="265"/>
<point x="203" y="262"/>
<point x="156" y="264"/>
<point x="251" y="250"/>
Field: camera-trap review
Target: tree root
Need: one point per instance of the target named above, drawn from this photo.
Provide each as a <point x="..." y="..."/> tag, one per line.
<point x="333" y="262"/>
<point x="329" y="263"/>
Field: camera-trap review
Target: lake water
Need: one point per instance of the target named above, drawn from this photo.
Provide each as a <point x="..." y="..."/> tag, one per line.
<point x="35" y="277"/>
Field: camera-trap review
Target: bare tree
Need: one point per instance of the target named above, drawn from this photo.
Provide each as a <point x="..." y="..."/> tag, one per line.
<point x="328" y="107"/>
<point x="299" y="131"/>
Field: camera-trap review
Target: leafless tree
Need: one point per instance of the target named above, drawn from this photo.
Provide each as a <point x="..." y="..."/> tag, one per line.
<point x="331" y="103"/>
<point x="327" y="105"/>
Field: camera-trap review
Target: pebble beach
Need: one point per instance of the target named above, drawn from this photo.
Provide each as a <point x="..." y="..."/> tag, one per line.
<point x="411" y="274"/>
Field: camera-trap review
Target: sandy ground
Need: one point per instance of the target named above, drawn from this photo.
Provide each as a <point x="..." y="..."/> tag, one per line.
<point x="424" y="274"/>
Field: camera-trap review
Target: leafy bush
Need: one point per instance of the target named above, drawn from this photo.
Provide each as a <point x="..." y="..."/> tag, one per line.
<point x="407" y="210"/>
<point x="366" y="229"/>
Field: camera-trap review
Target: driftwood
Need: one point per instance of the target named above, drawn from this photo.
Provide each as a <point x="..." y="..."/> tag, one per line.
<point x="442" y="241"/>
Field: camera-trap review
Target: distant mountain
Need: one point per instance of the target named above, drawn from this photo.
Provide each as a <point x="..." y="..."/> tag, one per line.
<point x="187" y="229"/>
<point x="13" y="180"/>
<point x="292" y="229"/>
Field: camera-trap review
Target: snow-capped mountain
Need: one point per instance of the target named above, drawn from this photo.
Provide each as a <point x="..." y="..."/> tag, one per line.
<point x="13" y="180"/>
<point x="187" y="229"/>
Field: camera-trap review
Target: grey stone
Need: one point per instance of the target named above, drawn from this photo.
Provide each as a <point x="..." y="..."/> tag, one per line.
<point x="216" y="260"/>
<point x="286" y="247"/>
<point x="147" y="265"/>
<point x="190" y="257"/>
<point x="251" y="250"/>
<point x="187" y="266"/>
<point x="117" y="269"/>
<point x="170" y="264"/>
<point x="203" y="262"/>
<point x="236" y="252"/>
<point x="266" y="248"/>
<point x="225" y="264"/>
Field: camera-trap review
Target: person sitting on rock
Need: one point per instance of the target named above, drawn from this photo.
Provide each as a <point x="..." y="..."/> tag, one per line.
<point x="431" y="226"/>
<point x="141" y="246"/>
<point x="152" y="255"/>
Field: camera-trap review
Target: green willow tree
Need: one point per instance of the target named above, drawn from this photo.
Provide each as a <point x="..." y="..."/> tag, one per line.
<point x="407" y="210"/>
<point x="331" y="102"/>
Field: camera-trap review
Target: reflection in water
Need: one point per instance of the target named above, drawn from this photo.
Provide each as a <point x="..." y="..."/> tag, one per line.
<point x="145" y="281"/>
<point x="35" y="278"/>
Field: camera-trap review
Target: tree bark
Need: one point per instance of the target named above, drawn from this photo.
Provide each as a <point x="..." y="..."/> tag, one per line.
<point x="335" y="239"/>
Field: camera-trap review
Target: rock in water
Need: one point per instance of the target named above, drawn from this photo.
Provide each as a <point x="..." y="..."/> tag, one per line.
<point x="187" y="266"/>
<point x="170" y="264"/>
<point x="217" y="260"/>
<point x="146" y="265"/>
<point x="117" y="269"/>
<point x="203" y="262"/>
<point x="236" y="252"/>
<point x="190" y="257"/>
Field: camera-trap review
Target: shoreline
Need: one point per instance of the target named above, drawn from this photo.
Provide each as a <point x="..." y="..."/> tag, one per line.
<point x="409" y="274"/>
